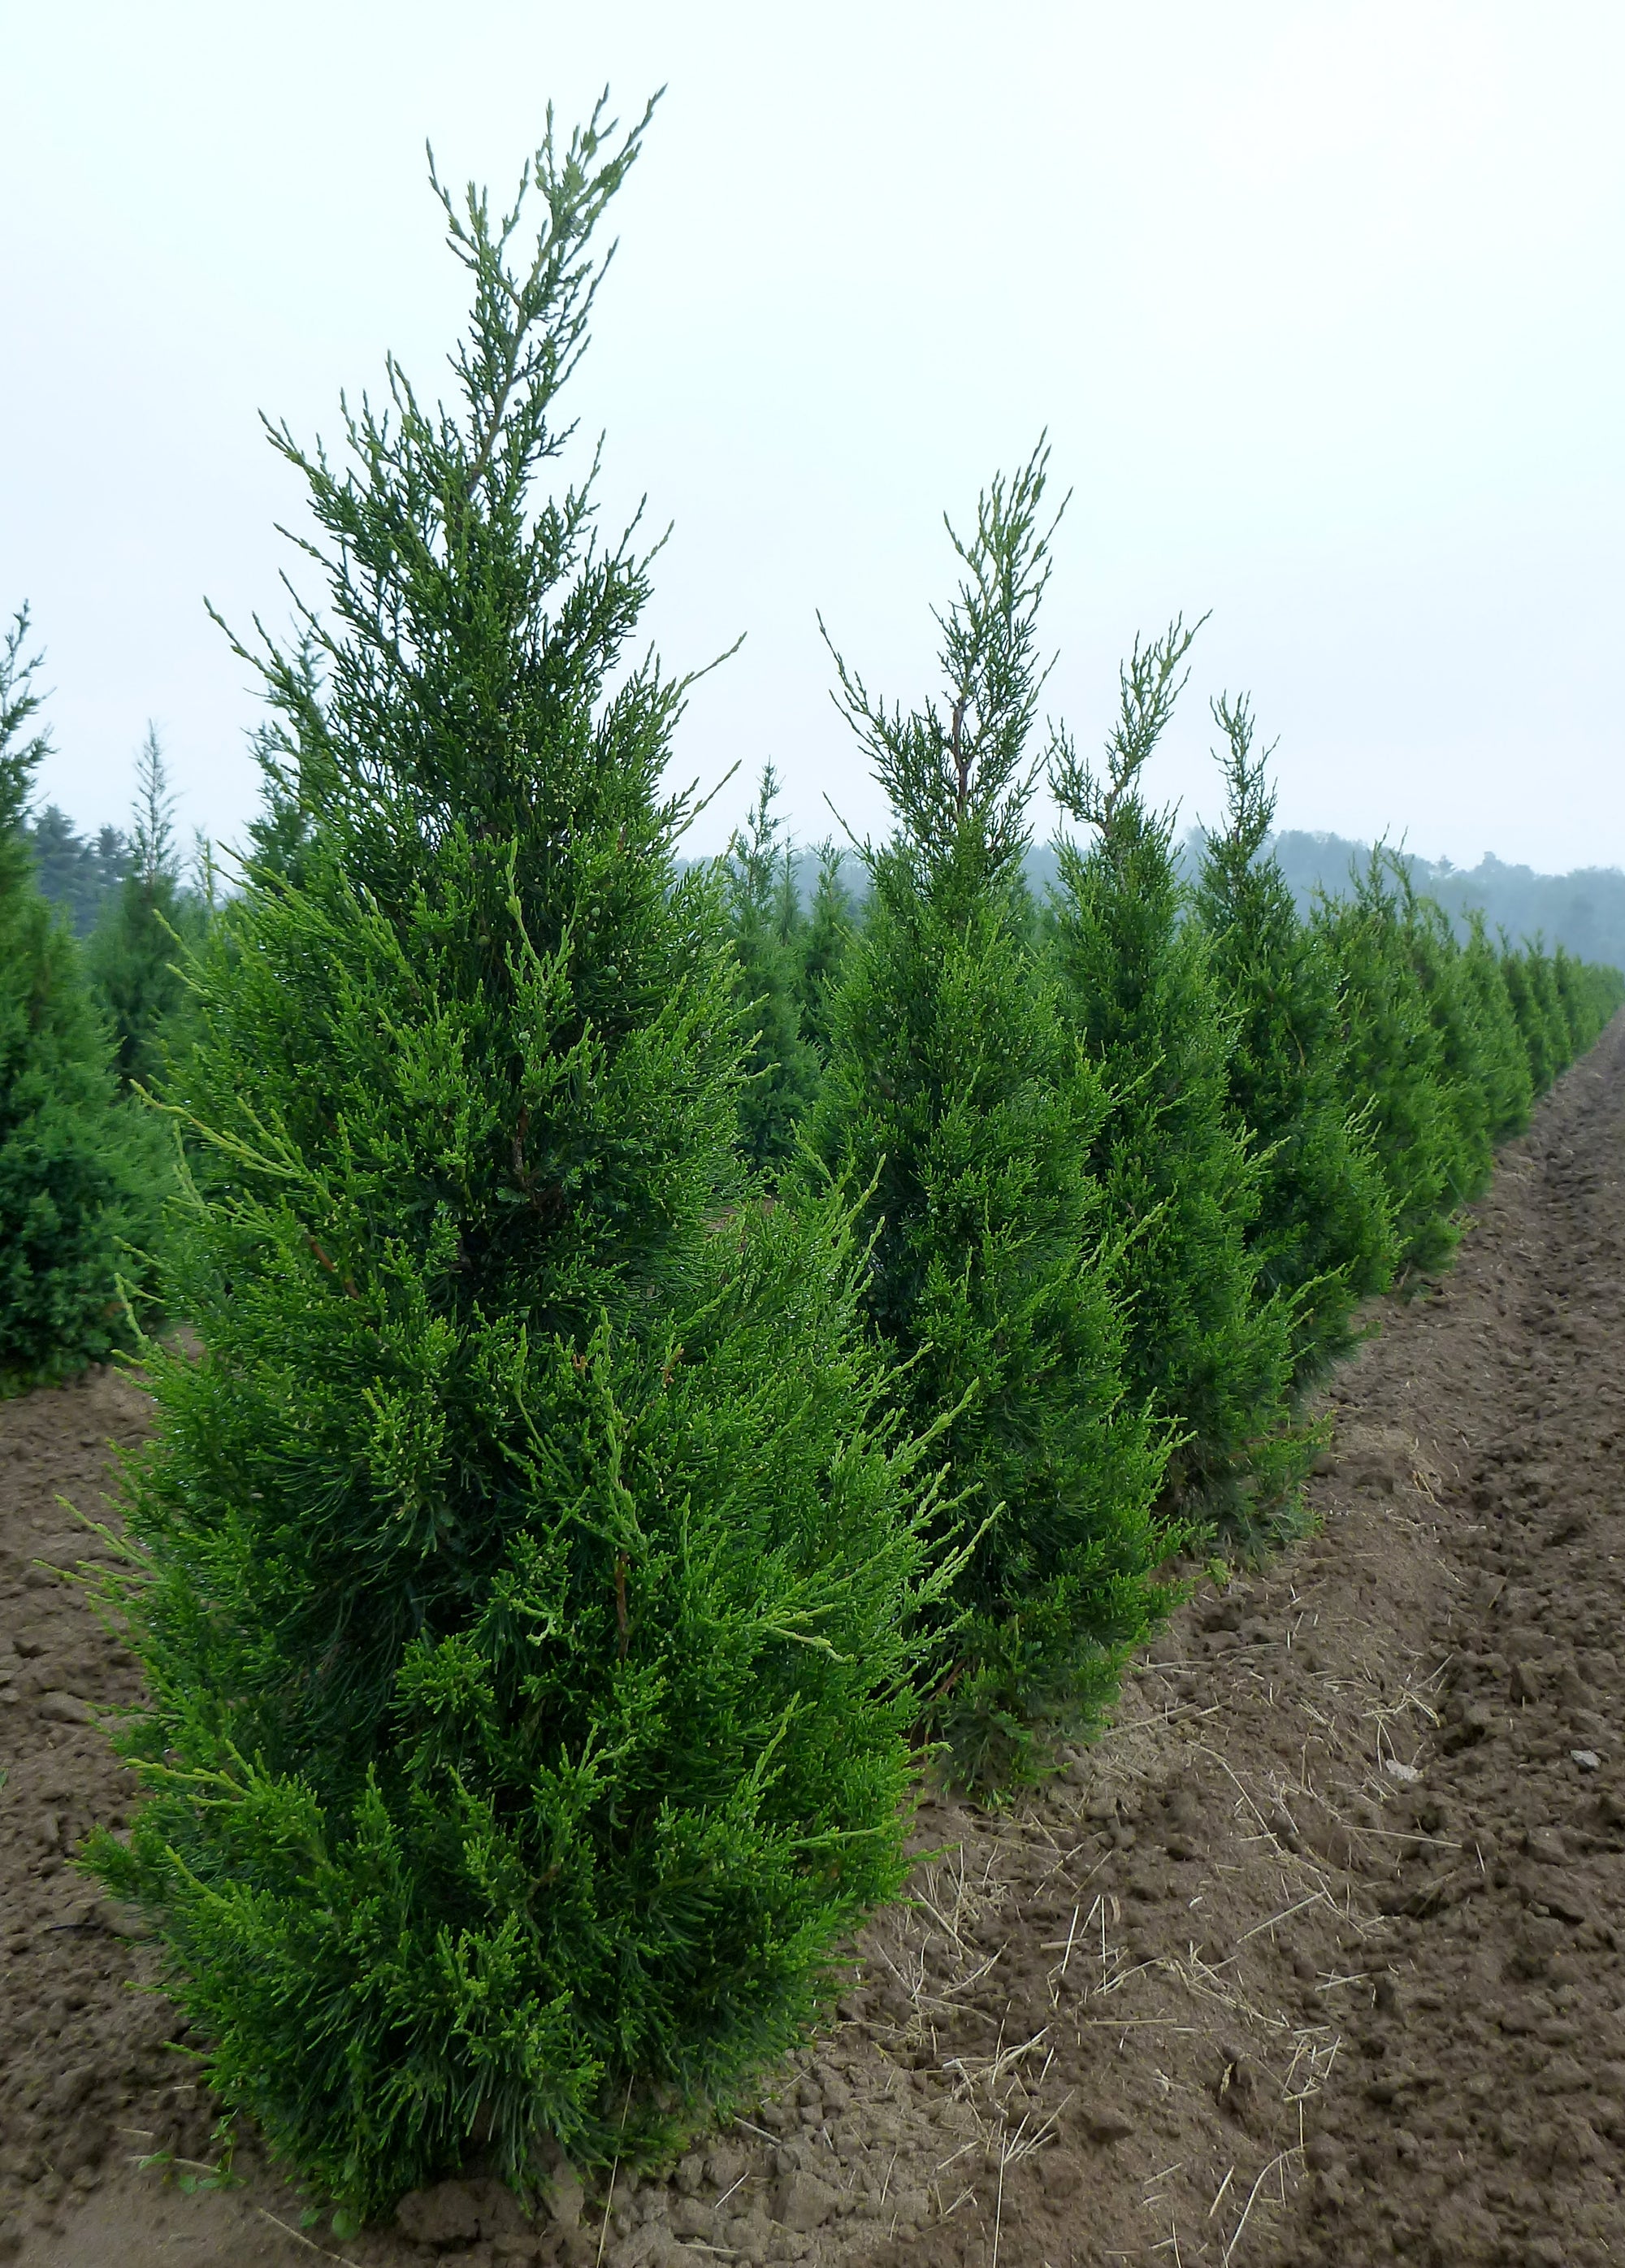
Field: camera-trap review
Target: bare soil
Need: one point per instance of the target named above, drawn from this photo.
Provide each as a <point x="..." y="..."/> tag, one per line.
<point x="1313" y="1959"/>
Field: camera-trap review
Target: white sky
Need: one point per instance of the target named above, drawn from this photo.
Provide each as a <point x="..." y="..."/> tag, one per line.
<point x="1321" y="305"/>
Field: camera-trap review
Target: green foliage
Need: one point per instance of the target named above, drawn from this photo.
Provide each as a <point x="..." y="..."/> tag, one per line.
<point x="1507" y="1089"/>
<point x="135" y="953"/>
<point x="826" y="937"/>
<point x="1464" y="1071"/>
<point x="959" y="1101"/>
<point x="77" y="873"/>
<point x="1321" y="1233"/>
<point x="1206" y="1343"/>
<point x="1591" y="997"/>
<point x="1394" y="1061"/>
<point x="523" y="1576"/>
<point x="1547" y="1013"/>
<point x="767" y="924"/>
<point x="80" y="1176"/>
<point x="1537" y="1011"/>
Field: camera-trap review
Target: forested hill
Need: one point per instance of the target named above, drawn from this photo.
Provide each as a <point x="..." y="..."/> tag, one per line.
<point x="1583" y="911"/>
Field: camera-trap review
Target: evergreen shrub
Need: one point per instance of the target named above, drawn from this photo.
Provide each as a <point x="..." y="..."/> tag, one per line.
<point x="1208" y="1344"/>
<point x="1322" y="1233"/>
<point x="1394" y="1058"/>
<point x="767" y="923"/>
<point x="523" y="1576"/>
<point x="1591" y="996"/>
<point x="960" y="1103"/>
<point x="135" y="955"/>
<point x="1507" y="1088"/>
<point x="1465" y="1070"/>
<point x="824" y="939"/>
<point x="81" y="1176"/>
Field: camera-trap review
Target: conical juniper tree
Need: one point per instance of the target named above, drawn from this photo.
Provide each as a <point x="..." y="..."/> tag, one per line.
<point x="1507" y="1090"/>
<point x="767" y="923"/>
<point x="824" y="939"/>
<point x="80" y="1174"/>
<point x="958" y="1099"/>
<point x="75" y="873"/>
<point x="522" y="1577"/>
<point x="1533" y="1036"/>
<point x="1547" y="1020"/>
<point x="1322" y="1233"/>
<point x="1207" y="1343"/>
<point x="136" y="953"/>
<point x="1394" y="1059"/>
<point x="1465" y="1073"/>
<point x="1591" y="995"/>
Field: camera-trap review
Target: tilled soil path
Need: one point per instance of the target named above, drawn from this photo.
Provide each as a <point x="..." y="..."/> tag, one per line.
<point x="1315" y="1958"/>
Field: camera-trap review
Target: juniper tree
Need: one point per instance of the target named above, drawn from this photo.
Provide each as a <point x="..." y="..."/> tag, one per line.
<point x="765" y="924"/>
<point x="824" y="939"/>
<point x="523" y="1576"/>
<point x="1394" y="1059"/>
<point x="136" y="953"/>
<point x="1466" y="1072"/>
<point x="1590" y="994"/>
<point x="1506" y="1063"/>
<point x="77" y="873"/>
<point x="1322" y="1232"/>
<point x="1207" y="1343"/>
<point x="1543" y="1027"/>
<point x="80" y="1176"/>
<point x="959" y="1101"/>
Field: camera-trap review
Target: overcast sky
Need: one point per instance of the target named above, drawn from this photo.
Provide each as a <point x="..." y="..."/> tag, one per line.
<point x="1320" y="304"/>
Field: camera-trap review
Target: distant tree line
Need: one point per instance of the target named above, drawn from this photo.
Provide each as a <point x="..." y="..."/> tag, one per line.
<point x="1583" y="911"/>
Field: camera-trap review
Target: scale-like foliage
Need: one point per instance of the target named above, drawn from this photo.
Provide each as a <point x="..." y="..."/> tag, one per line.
<point x="1394" y="1059"/>
<point x="135" y="953"/>
<point x="1322" y="1232"/>
<point x="767" y="924"/>
<point x="824" y="941"/>
<point x="80" y="1175"/>
<point x="1507" y="1090"/>
<point x="958" y="1099"/>
<point x="1591" y="996"/>
<point x="523" y="1574"/>
<point x="1207" y="1343"/>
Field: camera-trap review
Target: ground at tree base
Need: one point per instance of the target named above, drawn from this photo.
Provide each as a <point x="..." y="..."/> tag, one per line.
<point x="1316" y="1959"/>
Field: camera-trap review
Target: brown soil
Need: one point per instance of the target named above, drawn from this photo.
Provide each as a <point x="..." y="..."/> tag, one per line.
<point x="1312" y="1959"/>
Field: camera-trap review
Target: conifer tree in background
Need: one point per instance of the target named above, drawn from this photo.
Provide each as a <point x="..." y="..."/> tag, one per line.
<point x="74" y="871"/>
<point x="957" y="1101"/>
<point x="1590" y="996"/>
<point x="80" y="1174"/>
<point x="136" y="952"/>
<point x="1207" y="1343"/>
<point x="766" y="921"/>
<point x="528" y="1562"/>
<point x="1507" y="1090"/>
<point x="826" y="937"/>
<point x="1393" y="1060"/>
<point x="1322" y="1232"/>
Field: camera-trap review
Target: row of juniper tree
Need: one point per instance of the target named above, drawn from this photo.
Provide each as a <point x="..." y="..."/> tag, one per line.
<point x="90" y="1025"/>
<point x="681" y="1355"/>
